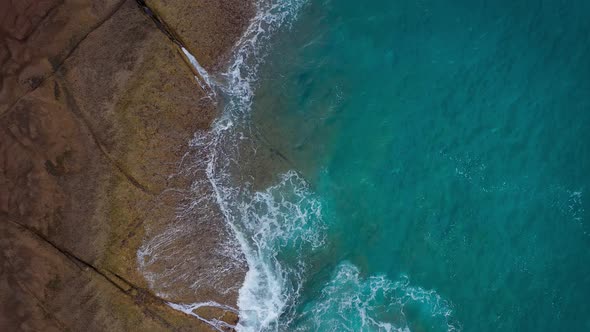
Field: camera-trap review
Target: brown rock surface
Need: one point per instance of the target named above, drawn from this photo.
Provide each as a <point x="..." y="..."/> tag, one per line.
<point x="208" y="28"/>
<point x="37" y="36"/>
<point x="96" y="107"/>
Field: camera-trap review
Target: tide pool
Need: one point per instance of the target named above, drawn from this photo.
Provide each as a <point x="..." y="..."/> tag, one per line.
<point x="448" y="143"/>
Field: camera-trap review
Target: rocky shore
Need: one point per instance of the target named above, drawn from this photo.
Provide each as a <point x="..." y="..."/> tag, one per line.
<point x="97" y="105"/>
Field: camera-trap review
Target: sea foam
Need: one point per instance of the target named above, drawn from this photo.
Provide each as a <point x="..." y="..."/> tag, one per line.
<point x="267" y="222"/>
<point x="349" y="302"/>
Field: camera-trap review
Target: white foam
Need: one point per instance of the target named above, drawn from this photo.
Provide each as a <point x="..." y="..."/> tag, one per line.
<point x="252" y="48"/>
<point x="275" y="222"/>
<point x="264" y="223"/>
<point x="349" y="302"/>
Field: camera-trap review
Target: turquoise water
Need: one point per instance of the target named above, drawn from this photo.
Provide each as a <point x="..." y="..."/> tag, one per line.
<point x="449" y="145"/>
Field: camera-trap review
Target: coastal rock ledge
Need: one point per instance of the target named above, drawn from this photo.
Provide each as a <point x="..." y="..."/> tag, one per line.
<point x="97" y="105"/>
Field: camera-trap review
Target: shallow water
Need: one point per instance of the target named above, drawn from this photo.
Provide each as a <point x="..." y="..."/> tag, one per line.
<point x="448" y="144"/>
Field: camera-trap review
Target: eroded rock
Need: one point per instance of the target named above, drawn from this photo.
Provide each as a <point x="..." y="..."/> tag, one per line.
<point x="96" y="109"/>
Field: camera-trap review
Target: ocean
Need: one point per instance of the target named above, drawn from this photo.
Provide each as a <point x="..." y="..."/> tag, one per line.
<point x="434" y="165"/>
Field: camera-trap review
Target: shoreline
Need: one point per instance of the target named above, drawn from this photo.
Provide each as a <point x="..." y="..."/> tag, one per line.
<point x="92" y="122"/>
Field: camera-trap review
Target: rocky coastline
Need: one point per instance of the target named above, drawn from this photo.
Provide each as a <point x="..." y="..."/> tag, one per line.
<point x="97" y="106"/>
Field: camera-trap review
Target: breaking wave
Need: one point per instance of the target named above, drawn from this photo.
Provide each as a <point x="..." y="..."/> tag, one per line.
<point x="351" y="303"/>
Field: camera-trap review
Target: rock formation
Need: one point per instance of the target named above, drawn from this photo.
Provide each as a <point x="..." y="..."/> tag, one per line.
<point x="97" y="105"/>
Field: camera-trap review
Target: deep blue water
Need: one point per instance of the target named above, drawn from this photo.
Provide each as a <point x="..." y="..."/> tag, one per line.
<point x="449" y="145"/>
